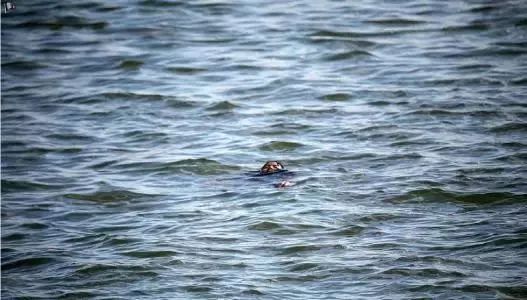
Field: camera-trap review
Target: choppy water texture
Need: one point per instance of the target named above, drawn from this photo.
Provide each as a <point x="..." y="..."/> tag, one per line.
<point x="128" y="129"/>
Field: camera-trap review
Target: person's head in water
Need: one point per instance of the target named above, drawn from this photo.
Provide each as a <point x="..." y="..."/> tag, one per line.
<point x="271" y="167"/>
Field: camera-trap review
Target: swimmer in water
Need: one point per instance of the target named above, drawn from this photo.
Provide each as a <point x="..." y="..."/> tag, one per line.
<point x="273" y="167"/>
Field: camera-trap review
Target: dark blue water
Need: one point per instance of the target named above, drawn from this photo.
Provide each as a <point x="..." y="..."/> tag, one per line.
<point x="129" y="128"/>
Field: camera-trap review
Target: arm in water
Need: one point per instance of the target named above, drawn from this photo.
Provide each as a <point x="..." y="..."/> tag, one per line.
<point x="276" y="167"/>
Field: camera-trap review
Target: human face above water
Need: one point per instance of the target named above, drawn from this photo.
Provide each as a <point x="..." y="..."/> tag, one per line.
<point x="271" y="167"/>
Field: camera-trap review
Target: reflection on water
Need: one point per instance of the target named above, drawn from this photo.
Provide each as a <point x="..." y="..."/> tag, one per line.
<point x="128" y="129"/>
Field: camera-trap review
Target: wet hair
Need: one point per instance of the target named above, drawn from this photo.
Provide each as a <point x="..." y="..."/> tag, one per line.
<point x="266" y="168"/>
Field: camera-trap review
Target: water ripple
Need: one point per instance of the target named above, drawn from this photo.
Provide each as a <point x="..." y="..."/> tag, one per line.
<point x="131" y="131"/>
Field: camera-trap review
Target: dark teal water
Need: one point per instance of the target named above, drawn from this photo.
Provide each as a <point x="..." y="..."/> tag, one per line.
<point x="128" y="128"/>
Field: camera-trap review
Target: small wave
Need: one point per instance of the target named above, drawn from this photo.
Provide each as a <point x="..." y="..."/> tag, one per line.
<point x="11" y="186"/>
<point x="108" y="196"/>
<point x="462" y="81"/>
<point x="302" y="278"/>
<point x="475" y="66"/>
<point x="185" y="70"/>
<point x="432" y="259"/>
<point x="515" y="145"/>
<point x="336" y="97"/>
<point x="23" y="65"/>
<point x="242" y="67"/>
<point x="131" y="64"/>
<point x="143" y="135"/>
<point x="425" y="272"/>
<point x="215" y="8"/>
<point x="77" y="295"/>
<point x="213" y="40"/>
<point x="510" y="127"/>
<point x="384" y="246"/>
<point x="450" y="112"/>
<point x="265" y="225"/>
<point x="305" y="266"/>
<point x="161" y="3"/>
<point x="104" y="164"/>
<point x="348" y="231"/>
<point x="483" y="8"/>
<point x="197" y="288"/>
<point x="485" y="52"/>
<point x="35" y="225"/>
<point x="436" y="194"/>
<point x="305" y="111"/>
<point x="395" y="157"/>
<point x="280" y="146"/>
<point x="86" y="239"/>
<point x="412" y="142"/>
<point x="178" y="103"/>
<point x="395" y="22"/>
<point x="150" y="254"/>
<point x="521" y="155"/>
<point x="253" y="292"/>
<point x="198" y="166"/>
<point x="8" y="144"/>
<point x="17" y="117"/>
<point x="222" y="106"/>
<point x="299" y="249"/>
<point x="353" y="54"/>
<point x="490" y="243"/>
<point x="46" y="150"/>
<point x="131" y="96"/>
<point x="70" y="137"/>
<point x="335" y="34"/>
<point x="82" y="5"/>
<point x="290" y="125"/>
<point x="95" y="269"/>
<point x="377" y="128"/>
<point x="65" y="22"/>
<point x="522" y="22"/>
<point x="284" y="228"/>
<point x="108" y="8"/>
<point x="330" y="158"/>
<point x="117" y="228"/>
<point x="14" y="237"/>
<point x="201" y="166"/>
<point x="329" y="34"/>
<point x="514" y="44"/>
<point x="512" y="291"/>
<point x="171" y="101"/>
<point x="120" y="241"/>
<point x="282" y="129"/>
<point x="519" y="81"/>
<point x="27" y="263"/>
<point x="469" y="27"/>
<point x="385" y="103"/>
<point x="275" y="132"/>
<point x="359" y="43"/>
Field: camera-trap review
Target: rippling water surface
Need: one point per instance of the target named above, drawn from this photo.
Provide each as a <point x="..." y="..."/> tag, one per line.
<point x="128" y="129"/>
